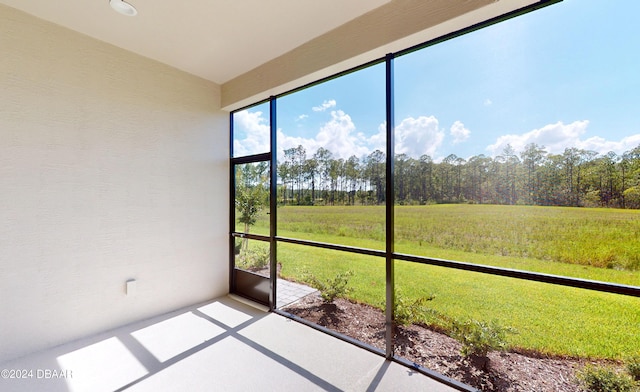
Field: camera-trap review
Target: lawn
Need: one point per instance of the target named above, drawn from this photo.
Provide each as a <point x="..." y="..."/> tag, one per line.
<point x="599" y="244"/>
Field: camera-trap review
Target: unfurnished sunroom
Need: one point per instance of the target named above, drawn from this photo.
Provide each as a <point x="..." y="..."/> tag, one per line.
<point x="130" y="143"/>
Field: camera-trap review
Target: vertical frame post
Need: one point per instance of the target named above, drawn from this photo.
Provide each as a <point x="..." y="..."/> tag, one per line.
<point x="389" y="205"/>
<point x="273" y="204"/>
<point x="232" y="208"/>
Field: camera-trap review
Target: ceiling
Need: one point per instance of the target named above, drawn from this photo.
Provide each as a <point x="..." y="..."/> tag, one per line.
<point x="217" y="40"/>
<point x="259" y="48"/>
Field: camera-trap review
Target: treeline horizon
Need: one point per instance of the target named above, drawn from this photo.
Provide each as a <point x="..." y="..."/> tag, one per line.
<point x="577" y="178"/>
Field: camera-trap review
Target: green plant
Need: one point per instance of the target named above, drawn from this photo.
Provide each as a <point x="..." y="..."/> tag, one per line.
<point x="633" y="367"/>
<point x="248" y="259"/>
<point x="478" y="338"/>
<point x="407" y="311"/>
<point x="332" y="288"/>
<point x="602" y="379"/>
<point x="249" y="202"/>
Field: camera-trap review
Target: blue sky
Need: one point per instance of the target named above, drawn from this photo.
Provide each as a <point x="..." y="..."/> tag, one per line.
<point x="564" y="76"/>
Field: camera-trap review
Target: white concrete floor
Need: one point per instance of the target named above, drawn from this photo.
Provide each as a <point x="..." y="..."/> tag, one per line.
<point x="223" y="345"/>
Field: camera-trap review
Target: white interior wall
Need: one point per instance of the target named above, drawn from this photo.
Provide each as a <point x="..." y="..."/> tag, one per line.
<point x="112" y="167"/>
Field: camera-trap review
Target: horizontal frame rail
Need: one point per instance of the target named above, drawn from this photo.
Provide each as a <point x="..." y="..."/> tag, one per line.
<point x="251" y="236"/>
<point x="614" y="288"/>
<point x="324" y="245"/>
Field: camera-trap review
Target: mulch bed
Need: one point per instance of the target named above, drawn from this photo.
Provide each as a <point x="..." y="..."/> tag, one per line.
<point x="507" y="371"/>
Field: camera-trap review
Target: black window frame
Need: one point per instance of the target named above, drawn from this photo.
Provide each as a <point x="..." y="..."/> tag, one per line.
<point x="389" y="252"/>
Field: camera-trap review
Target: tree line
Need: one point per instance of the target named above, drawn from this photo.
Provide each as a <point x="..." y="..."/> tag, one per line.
<point x="533" y="176"/>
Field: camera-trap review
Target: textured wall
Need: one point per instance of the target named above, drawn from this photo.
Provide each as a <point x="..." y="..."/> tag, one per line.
<point x="112" y="167"/>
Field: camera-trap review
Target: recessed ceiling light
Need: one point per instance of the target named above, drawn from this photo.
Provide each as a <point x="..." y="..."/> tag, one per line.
<point x="123" y="7"/>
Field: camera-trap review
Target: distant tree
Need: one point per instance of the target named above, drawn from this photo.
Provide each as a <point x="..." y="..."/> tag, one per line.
<point x="632" y="197"/>
<point x="335" y="173"/>
<point x="425" y="175"/>
<point x="352" y="173"/>
<point x="459" y="165"/>
<point x="624" y="165"/>
<point x="376" y="174"/>
<point x="324" y="158"/>
<point x="401" y="168"/>
<point x="574" y="178"/>
<point x="448" y="175"/>
<point x="477" y="176"/>
<point x="310" y="174"/>
<point x="532" y="158"/>
<point x="510" y="161"/>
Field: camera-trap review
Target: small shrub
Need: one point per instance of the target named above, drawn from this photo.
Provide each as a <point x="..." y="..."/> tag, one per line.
<point x="601" y="379"/>
<point x="406" y="311"/>
<point x="479" y="338"/>
<point x="249" y="259"/>
<point x="633" y="367"/>
<point x="333" y="288"/>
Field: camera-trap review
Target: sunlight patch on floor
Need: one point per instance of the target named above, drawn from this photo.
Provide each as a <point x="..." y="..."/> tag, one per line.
<point x="103" y="366"/>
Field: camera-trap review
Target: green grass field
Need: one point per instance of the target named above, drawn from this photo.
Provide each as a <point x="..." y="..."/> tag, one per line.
<point x="598" y="244"/>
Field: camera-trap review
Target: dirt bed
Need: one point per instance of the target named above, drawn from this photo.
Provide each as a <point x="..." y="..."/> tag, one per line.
<point x="507" y="371"/>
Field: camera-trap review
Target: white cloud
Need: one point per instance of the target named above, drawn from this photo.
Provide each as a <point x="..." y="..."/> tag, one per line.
<point x="325" y="105"/>
<point x="603" y="146"/>
<point x="488" y="102"/>
<point x="377" y="141"/>
<point x="556" y="137"/>
<point x="418" y="136"/>
<point x="302" y="117"/>
<point x="459" y="132"/>
<point x="338" y="135"/>
<point x="286" y="142"/>
<point x="256" y="133"/>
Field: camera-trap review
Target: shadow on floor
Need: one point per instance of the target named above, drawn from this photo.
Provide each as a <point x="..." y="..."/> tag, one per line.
<point x="220" y="345"/>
